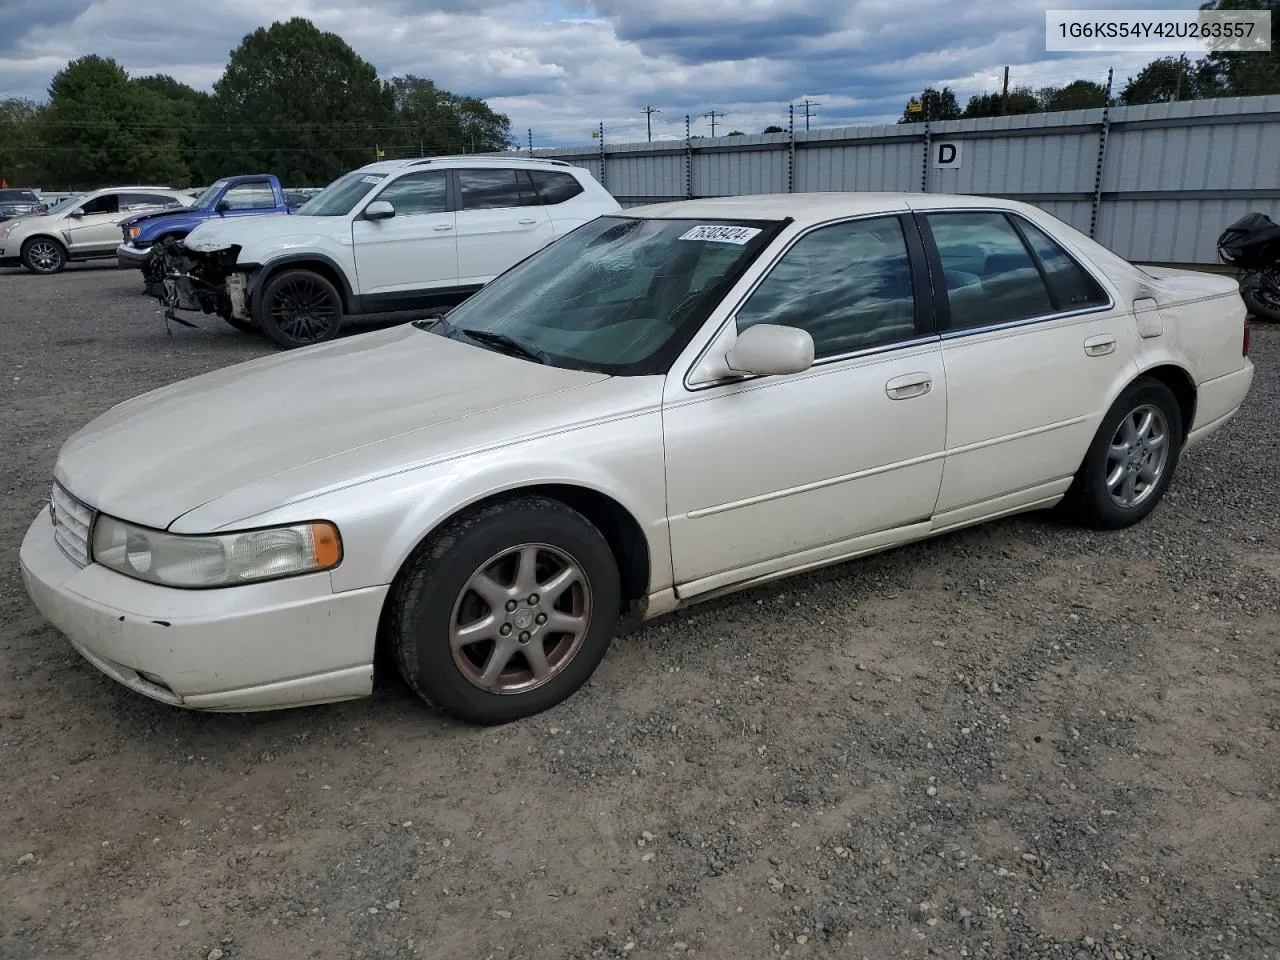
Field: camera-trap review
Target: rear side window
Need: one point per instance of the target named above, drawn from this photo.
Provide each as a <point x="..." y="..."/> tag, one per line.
<point x="146" y="200"/>
<point x="990" y="276"/>
<point x="1072" y="286"/>
<point x="554" y="187"/>
<point x="494" y="189"/>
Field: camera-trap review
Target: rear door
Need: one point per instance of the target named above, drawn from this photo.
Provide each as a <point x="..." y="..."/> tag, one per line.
<point x="500" y="221"/>
<point x="1033" y="346"/>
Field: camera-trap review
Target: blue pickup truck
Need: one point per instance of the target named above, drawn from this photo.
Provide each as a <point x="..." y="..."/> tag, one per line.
<point x="250" y="195"/>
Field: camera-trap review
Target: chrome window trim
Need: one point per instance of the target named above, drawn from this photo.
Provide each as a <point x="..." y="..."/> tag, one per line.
<point x="768" y="269"/>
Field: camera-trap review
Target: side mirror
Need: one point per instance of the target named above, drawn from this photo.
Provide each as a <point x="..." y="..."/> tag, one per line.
<point x="222" y="206"/>
<point x="76" y="214"/>
<point x="767" y="350"/>
<point x="379" y="210"/>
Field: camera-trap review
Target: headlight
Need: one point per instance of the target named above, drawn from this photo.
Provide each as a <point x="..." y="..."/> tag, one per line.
<point x="4" y="231"/>
<point x="216" y="560"/>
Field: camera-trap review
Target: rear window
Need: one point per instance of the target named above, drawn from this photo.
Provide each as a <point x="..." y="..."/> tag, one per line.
<point x="555" y="187"/>
<point x="24" y="196"/>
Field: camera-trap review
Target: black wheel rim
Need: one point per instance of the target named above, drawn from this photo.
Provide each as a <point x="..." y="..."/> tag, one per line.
<point x="303" y="310"/>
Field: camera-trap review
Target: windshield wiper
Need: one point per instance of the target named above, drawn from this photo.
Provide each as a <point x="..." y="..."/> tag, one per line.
<point x="504" y="342"/>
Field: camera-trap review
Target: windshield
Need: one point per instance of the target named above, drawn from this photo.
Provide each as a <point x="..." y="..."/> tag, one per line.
<point x="68" y="204"/>
<point x="619" y="295"/>
<point x="18" y="196"/>
<point x="339" y="197"/>
<point x="207" y="195"/>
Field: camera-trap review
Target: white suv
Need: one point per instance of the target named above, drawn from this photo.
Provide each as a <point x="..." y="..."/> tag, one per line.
<point x="395" y="235"/>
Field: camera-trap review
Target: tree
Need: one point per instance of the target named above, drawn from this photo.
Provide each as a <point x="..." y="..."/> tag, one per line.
<point x="100" y="129"/>
<point x="433" y="121"/>
<point x="1162" y="81"/>
<point x="1077" y="95"/>
<point x="1243" y="73"/>
<point x="938" y="105"/>
<point x="20" y="153"/>
<point x="186" y="107"/>
<point x="735" y="133"/>
<point x="298" y="103"/>
<point x="773" y="128"/>
<point x="1021" y="100"/>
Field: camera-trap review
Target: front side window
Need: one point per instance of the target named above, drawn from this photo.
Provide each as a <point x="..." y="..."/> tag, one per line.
<point x="493" y="189"/>
<point x="250" y="195"/>
<point x="340" y="197"/>
<point x="990" y="276"/>
<point x="848" y="285"/>
<point x="620" y="295"/>
<point x="418" y="193"/>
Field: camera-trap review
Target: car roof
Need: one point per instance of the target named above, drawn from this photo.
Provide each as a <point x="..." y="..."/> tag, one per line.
<point x="130" y="187"/>
<point x="468" y="160"/>
<point x="811" y="207"/>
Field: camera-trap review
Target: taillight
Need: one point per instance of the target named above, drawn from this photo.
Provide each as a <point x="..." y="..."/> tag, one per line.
<point x="1248" y="339"/>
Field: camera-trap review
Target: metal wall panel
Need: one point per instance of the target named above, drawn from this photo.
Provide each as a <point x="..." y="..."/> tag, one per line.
<point x="1202" y="163"/>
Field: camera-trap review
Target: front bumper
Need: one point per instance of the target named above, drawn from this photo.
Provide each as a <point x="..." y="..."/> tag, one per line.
<point x="12" y="260"/>
<point x="265" y="646"/>
<point x="131" y="257"/>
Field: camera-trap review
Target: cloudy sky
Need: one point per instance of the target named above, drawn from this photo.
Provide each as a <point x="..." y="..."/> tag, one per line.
<point x="562" y="66"/>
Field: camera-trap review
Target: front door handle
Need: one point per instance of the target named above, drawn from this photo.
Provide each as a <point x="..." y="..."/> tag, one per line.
<point x="909" y="385"/>
<point x="1100" y="345"/>
<point x="529" y="220"/>
<point x="443" y="226"/>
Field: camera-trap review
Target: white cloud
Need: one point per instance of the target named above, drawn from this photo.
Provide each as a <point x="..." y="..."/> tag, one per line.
<point x="562" y="66"/>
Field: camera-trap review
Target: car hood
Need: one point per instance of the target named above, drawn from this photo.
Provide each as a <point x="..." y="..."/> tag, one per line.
<point x="327" y="408"/>
<point x="218" y="233"/>
<point x="30" y="220"/>
<point x="175" y="211"/>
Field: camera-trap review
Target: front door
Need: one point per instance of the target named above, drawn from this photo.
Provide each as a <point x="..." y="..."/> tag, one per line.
<point x="500" y="222"/>
<point x="417" y="249"/>
<point x="95" y="228"/>
<point x="765" y="471"/>
<point x="1033" y="350"/>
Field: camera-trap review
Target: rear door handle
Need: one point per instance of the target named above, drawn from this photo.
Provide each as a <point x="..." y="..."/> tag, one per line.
<point x="530" y="220"/>
<point x="443" y="226"/>
<point x="1100" y="345"/>
<point x="909" y="385"/>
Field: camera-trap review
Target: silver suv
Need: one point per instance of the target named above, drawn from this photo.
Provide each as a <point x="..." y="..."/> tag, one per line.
<point x="83" y="227"/>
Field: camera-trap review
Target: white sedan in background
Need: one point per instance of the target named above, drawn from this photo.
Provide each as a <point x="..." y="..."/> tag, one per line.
<point x="667" y="404"/>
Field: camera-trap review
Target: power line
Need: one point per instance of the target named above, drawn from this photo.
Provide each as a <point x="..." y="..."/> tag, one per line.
<point x="711" y="115"/>
<point x="648" y="120"/>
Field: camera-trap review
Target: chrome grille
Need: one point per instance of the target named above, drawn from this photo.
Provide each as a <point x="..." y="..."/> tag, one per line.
<point x="72" y="522"/>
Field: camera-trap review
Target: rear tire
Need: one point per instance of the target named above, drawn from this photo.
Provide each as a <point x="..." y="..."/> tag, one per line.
<point x="44" y="255"/>
<point x="505" y="612"/>
<point x="1262" y="303"/>
<point x="299" y="308"/>
<point x="1131" y="461"/>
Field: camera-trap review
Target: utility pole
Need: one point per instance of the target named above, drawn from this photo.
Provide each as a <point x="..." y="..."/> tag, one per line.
<point x="648" y="120"/>
<point x="1004" y="94"/>
<point x="712" y="117"/>
<point x="807" y="104"/>
<point x="531" y="141"/>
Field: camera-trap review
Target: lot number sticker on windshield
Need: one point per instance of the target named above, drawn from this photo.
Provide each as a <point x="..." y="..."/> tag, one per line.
<point x="370" y="179"/>
<point x="721" y="234"/>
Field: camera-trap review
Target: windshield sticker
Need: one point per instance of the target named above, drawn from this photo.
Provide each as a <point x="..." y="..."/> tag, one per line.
<point x="720" y="234"/>
<point x="370" y="179"/>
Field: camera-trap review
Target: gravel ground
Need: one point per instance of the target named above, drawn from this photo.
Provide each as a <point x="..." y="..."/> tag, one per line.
<point x="1023" y="740"/>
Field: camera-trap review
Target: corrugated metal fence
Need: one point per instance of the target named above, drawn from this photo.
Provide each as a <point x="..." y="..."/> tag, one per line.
<point x="1154" y="183"/>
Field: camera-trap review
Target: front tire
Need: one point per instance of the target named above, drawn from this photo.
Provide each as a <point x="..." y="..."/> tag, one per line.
<point x="44" y="255"/>
<point x="1131" y="461"/>
<point x="506" y="612"/>
<point x="299" y="308"/>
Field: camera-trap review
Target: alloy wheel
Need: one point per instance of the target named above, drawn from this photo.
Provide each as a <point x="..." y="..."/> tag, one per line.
<point x="1138" y="455"/>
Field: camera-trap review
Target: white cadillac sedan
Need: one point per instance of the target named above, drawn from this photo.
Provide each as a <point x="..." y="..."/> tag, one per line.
<point x="667" y="404"/>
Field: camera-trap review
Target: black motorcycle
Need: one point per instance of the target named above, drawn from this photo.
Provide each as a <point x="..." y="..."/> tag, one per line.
<point x="1252" y="244"/>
